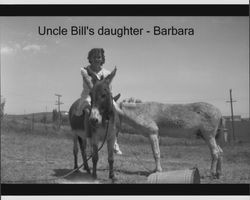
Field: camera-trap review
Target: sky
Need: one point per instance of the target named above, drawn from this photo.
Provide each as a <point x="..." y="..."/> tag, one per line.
<point x="163" y="68"/>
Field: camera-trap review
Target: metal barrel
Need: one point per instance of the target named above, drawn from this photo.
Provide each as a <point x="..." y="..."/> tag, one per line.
<point x="188" y="176"/>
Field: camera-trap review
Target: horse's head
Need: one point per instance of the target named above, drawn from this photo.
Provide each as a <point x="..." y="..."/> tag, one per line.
<point x="101" y="98"/>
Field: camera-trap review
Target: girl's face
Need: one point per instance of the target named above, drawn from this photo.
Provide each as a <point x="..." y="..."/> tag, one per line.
<point x="97" y="59"/>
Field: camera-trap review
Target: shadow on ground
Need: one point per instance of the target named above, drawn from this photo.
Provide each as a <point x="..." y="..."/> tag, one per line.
<point x="76" y="177"/>
<point x="140" y="173"/>
<point x="129" y="172"/>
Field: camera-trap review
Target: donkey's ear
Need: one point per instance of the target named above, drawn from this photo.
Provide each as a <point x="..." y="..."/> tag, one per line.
<point x="110" y="77"/>
<point x="117" y="97"/>
<point x="92" y="75"/>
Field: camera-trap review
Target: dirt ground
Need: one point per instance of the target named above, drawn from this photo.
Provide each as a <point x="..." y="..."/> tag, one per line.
<point x="43" y="157"/>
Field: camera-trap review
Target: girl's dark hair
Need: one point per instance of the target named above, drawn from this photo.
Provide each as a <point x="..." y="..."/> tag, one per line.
<point x="94" y="52"/>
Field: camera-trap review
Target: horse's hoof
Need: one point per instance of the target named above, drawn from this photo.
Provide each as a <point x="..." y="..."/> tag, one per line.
<point x="218" y="175"/>
<point x="214" y="176"/>
<point x="113" y="179"/>
<point x="117" y="151"/>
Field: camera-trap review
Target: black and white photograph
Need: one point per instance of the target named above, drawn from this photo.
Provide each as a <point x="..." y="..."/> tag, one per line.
<point x="125" y="100"/>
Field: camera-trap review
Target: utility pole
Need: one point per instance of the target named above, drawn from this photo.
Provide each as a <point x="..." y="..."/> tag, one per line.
<point x="58" y="102"/>
<point x="232" y="113"/>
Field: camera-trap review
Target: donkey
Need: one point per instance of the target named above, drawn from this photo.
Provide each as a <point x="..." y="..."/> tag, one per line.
<point x="93" y="122"/>
<point x="153" y="119"/>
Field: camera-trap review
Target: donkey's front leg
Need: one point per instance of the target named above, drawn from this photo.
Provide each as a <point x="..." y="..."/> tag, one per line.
<point x="83" y="146"/>
<point x="110" y="145"/>
<point x="94" y="158"/>
<point x="75" y="151"/>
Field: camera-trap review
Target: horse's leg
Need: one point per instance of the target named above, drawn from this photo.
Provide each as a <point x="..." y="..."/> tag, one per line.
<point x="83" y="145"/>
<point x="215" y="153"/>
<point x="154" y="141"/>
<point x="220" y="131"/>
<point x="219" y="163"/>
<point x="117" y="149"/>
<point x="75" y="151"/>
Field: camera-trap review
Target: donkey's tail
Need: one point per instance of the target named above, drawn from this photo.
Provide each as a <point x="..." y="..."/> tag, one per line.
<point x="222" y="131"/>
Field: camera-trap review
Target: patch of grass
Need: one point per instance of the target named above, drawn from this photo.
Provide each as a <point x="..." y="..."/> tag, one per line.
<point x="40" y="154"/>
<point x="26" y="127"/>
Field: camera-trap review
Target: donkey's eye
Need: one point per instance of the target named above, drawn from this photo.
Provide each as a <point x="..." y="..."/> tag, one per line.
<point x="103" y="96"/>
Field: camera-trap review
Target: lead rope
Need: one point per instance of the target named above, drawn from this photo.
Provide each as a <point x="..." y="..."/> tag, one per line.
<point x="72" y="171"/>
<point x="69" y="173"/>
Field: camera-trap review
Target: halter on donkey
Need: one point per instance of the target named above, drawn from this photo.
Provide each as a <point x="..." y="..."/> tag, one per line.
<point x="92" y="124"/>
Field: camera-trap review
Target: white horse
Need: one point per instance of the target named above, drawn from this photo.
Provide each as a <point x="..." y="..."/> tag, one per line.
<point x="153" y="119"/>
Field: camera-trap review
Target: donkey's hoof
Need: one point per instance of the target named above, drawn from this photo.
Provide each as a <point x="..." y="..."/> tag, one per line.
<point x="218" y="175"/>
<point x="112" y="175"/>
<point x="113" y="178"/>
<point x="76" y="169"/>
<point x="87" y="170"/>
<point x="94" y="176"/>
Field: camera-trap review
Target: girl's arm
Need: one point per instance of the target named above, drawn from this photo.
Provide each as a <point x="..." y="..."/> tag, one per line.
<point x="86" y="78"/>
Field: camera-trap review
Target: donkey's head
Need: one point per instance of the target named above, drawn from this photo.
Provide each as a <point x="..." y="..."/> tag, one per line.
<point x="101" y="98"/>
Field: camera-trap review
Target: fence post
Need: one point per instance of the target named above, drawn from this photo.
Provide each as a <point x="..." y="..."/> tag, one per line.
<point x="33" y="120"/>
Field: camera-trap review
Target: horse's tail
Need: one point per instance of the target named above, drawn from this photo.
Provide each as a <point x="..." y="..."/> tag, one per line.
<point x="222" y="131"/>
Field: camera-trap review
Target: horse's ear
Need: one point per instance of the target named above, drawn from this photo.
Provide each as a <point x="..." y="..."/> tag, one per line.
<point x="110" y="77"/>
<point x="92" y="74"/>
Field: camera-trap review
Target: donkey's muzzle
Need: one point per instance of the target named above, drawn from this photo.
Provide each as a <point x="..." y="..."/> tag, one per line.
<point x="95" y="117"/>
